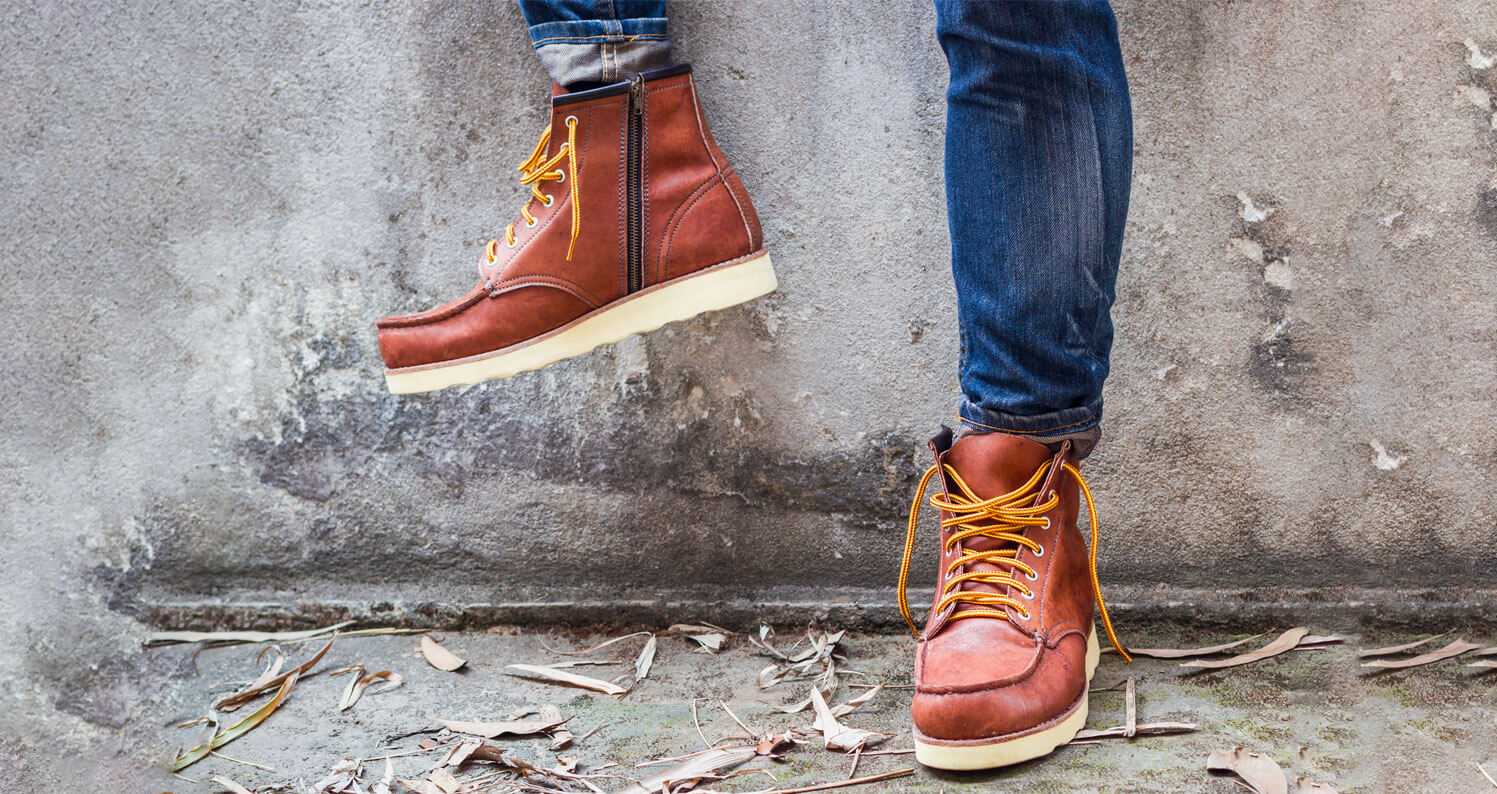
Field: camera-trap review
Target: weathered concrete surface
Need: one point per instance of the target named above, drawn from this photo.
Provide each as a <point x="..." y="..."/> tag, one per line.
<point x="1417" y="731"/>
<point x="205" y="208"/>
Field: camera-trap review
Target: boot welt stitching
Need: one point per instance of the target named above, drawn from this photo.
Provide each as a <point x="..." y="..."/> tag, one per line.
<point x="1071" y="709"/>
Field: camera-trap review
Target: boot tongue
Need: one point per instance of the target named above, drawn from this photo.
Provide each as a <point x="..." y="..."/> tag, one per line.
<point x="993" y="464"/>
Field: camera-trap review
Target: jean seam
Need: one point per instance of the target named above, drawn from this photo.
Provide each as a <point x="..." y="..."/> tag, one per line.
<point x="617" y="38"/>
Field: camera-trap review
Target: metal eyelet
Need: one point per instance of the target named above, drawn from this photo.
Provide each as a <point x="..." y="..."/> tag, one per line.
<point x="530" y="224"/>
<point x="549" y="199"/>
<point x="1046" y="525"/>
<point x="1032" y="576"/>
<point x="1024" y="615"/>
<point x="1028" y="596"/>
<point x="511" y="243"/>
<point x="1039" y="550"/>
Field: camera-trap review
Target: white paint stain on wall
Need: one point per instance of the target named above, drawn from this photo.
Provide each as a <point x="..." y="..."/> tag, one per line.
<point x="1385" y="460"/>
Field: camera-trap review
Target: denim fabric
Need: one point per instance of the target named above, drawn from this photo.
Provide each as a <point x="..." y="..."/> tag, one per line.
<point x="1039" y="156"/>
<point x="591" y="42"/>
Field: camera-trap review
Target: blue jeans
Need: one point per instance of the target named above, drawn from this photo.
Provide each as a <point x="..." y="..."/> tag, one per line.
<point x="586" y="43"/>
<point x="1039" y="156"/>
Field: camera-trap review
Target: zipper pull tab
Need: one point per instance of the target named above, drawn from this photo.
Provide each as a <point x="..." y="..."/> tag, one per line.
<point x="637" y="94"/>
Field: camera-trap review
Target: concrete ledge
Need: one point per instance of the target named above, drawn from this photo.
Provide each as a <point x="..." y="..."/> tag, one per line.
<point x="873" y="609"/>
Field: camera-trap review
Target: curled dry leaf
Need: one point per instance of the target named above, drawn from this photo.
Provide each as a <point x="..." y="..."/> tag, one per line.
<point x="234" y="788"/>
<point x="646" y="659"/>
<point x="271" y="670"/>
<point x="1454" y="649"/>
<point x="561" y="737"/>
<point x="712" y="641"/>
<point x="238" y="729"/>
<point x="1282" y="643"/>
<point x="837" y="736"/>
<point x="563" y="677"/>
<point x="1304" y="786"/>
<point x="439" y="657"/>
<point x="1140" y="729"/>
<point x="773" y="743"/>
<point x="421" y="786"/>
<point x="444" y="780"/>
<point x="492" y="730"/>
<point x="1260" y="772"/>
<point x="1392" y="649"/>
<point x="844" y="709"/>
<point x="1185" y="653"/>
<point x="460" y="754"/>
<point x="238" y="699"/>
<point x="1489" y="664"/>
<point x="168" y="637"/>
<point x="695" y="767"/>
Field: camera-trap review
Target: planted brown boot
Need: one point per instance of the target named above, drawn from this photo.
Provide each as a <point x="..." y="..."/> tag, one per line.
<point x="1003" y="666"/>
<point x="635" y="220"/>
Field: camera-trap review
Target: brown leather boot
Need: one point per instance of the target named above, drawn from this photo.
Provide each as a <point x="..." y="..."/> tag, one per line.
<point x="1003" y="666"/>
<point x="644" y="223"/>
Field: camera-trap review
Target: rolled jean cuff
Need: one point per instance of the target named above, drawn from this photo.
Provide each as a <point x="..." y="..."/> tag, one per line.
<point x="1081" y="426"/>
<point x="600" y="50"/>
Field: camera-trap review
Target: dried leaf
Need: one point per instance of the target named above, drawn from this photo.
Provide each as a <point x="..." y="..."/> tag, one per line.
<point x="237" y="729"/>
<point x="1130" y="698"/>
<point x="844" y="709"/>
<point x="1141" y="729"/>
<point x="439" y="657"/>
<point x="1456" y="648"/>
<point x="271" y="670"/>
<point x="837" y="736"/>
<point x="772" y="744"/>
<point x="645" y="660"/>
<point x="491" y="730"/>
<point x="694" y="768"/>
<point x="1318" y="641"/>
<point x="771" y="675"/>
<point x="1304" y="786"/>
<point x="1259" y="771"/>
<point x="1280" y="644"/>
<point x="460" y="754"/>
<point x="857" y="781"/>
<point x="421" y="786"/>
<point x="444" y="780"/>
<point x="234" y="788"/>
<point x="168" y="637"/>
<point x="1392" y="649"/>
<point x="712" y="641"/>
<point x="599" y="646"/>
<point x="566" y="763"/>
<point x="359" y="683"/>
<point x="692" y="628"/>
<point x="1489" y="664"/>
<point x="1185" y="653"/>
<point x="238" y="699"/>
<point x="563" y="677"/>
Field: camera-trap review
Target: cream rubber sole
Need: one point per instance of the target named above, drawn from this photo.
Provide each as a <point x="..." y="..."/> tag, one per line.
<point x="1004" y="752"/>
<point x="717" y="287"/>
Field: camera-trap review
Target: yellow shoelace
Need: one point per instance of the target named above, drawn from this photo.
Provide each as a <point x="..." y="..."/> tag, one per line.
<point x="533" y="172"/>
<point x="1010" y="516"/>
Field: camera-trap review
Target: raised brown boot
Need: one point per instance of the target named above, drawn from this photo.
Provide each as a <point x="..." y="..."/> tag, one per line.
<point x="635" y="219"/>
<point x="1003" y="666"/>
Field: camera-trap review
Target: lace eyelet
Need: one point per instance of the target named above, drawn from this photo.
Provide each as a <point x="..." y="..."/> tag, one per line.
<point x="563" y="179"/>
<point x="549" y="199"/>
<point x="510" y="243"/>
<point x="1039" y="551"/>
<point x="1046" y="525"/>
<point x="1024" y="615"/>
<point x="1032" y="576"/>
<point x="531" y="225"/>
<point x="1028" y="595"/>
<point x="570" y="118"/>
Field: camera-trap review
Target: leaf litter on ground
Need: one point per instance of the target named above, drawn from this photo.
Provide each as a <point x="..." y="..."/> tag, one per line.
<point x="358" y="682"/>
<point x="1454" y="649"/>
<point x="835" y="735"/>
<point x="491" y="730"/>
<point x="817" y="662"/>
<point x="238" y="729"/>
<point x="1394" y="649"/>
<point x="1261" y="773"/>
<point x="438" y="656"/>
<point x="1280" y="644"/>
<point x="1131" y="727"/>
<point x="555" y="676"/>
<point x="244" y="696"/>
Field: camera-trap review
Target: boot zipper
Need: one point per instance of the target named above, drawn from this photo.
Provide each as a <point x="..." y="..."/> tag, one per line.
<point x="634" y="184"/>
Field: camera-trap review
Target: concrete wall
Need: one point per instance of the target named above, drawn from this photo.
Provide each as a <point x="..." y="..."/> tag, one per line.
<point x="206" y="208"/>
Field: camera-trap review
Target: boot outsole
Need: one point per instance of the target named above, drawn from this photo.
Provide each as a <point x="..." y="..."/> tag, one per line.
<point x="710" y="289"/>
<point x="1014" y="749"/>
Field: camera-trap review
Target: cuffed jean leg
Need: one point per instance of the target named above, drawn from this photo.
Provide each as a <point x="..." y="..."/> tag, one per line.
<point x="1039" y="142"/>
<point x="592" y="42"/>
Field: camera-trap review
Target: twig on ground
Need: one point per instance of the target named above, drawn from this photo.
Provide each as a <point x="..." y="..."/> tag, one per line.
<point x="217" y="754"/>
